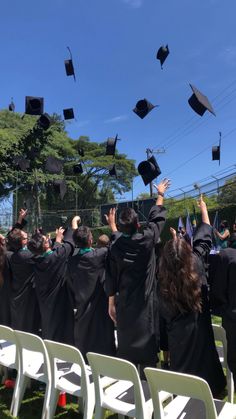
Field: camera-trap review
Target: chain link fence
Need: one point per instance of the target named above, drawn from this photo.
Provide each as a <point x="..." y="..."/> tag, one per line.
<point x="94" y="217"/>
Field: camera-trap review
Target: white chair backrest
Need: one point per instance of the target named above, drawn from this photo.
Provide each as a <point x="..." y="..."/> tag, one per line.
<point x="8" y="344"/>
<point x="60" y="351"/>
<point x="220" y="336"/>
<point x="178" y="384"/>
<point x="118" y="369"/>
<point x="33" y="353"/>
<point x="7" y="333"/>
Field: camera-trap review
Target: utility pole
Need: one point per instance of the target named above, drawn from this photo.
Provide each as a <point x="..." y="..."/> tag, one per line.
<point x="149" y="153"/>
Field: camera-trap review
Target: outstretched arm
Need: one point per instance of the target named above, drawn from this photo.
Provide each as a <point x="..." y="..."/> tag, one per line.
<point x="111" y="219"/>
<point x="202" y="205"/>
<point x="75" y="221"/>
<point x="161" y="188"/>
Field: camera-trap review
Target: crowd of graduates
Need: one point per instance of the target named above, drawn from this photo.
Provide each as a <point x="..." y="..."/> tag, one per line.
<point x="155" y="296"/>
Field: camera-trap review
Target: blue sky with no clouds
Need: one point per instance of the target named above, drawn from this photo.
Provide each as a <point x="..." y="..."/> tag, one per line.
<point x="114" y="45"/>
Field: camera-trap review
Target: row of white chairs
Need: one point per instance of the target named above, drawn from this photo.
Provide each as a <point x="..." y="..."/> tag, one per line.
<point x="107" y="383"/>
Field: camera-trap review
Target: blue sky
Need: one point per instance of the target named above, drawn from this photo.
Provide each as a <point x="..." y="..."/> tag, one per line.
<point x="114" y="45"/>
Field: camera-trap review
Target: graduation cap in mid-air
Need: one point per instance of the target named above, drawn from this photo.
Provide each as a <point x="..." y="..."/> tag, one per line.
<point x="149" y="170"/>
<point x="162" y="54"/>
<point x="34" y="105"/>
<point x="143" y="107"/>
<point x="78" y="168"/>
<point x="21" y="162"/>
<point x="53" y="165"/>
<point x="68" y="113"/>
<point x="216" y="150"/>
<point x="81" y="152"/>
<point x="111" y="146"/>
<point x="11" y="106"/>
<point x="199" y="102"/>
<point x="44" y="121"/>
<point x="60" y="187"/>
<point x="69" y="66"/>
<point x="112" y="171"/>
<point x="33" y="152"/>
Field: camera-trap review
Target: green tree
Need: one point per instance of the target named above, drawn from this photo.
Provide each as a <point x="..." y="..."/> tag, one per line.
<point x="227" y="193"/>
<point x="23" y="137"/>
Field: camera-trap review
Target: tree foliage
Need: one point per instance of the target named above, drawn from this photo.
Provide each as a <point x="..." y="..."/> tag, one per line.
<point x="23" y="137"/>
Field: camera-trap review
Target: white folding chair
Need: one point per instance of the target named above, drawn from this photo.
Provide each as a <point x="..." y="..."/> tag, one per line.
<point x="70" y="374"/>
<point x="221" y="346"/>
<point x="34" y="363"/>
<point x="194" y="398"/>
<point x="8" y="352"/>
<point x="128" y="396"/>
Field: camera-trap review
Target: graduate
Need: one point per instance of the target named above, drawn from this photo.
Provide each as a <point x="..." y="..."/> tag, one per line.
<point x="223" y="296"/>
<point x="94" y="329"/>
<point x="56" y="306"/>
<point x="5" y="285"/>
<point x="183" y="298"/>
<point x="131" y="283"/>
<point x="25" y="313"/>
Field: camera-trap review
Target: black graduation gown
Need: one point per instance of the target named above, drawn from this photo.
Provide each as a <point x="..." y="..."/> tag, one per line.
<point x="190" y="335"/>
<point x="130" y="274"/>
<point x="5" y="295"/>
<point x="94" y="329"/>
<point x="25" y="313"/>
<point x="56" y="307"/>
<point x="223" y="298"/>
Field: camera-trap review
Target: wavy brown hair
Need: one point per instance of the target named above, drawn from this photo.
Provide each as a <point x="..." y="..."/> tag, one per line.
<point x="179" y="281"/>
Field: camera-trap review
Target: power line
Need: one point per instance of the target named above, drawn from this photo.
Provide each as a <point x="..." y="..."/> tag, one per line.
<point x="198" y="154"/>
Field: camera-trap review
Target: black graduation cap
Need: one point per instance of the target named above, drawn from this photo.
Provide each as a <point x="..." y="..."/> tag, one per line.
<point x="216" y="153"/>
<point x="162" y="54"/>
<point x="142" y="108"/>
<point x="44" y="121"/>
<point x="81" y="152"/>
<point x="69" y="66"/>
<point x="53" y="165"/>
<point x="112" y="171"/>
<point x="199" y="103"/>
<point x="60" y="187"/>
<point x="216" y="150"/>
<point x="111" y="146"/>
<point x="68" y="113"/>
<point x="77" y="169"/>
<point x="22" y="163"/>
<point x="149" y="170"/>
<point x="33" y="152"/>
<point x="11" y="106"/>
<point x="34" y="105"/>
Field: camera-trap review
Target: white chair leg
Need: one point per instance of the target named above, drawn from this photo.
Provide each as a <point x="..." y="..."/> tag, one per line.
<point x="88" y="410"/>
<point x="81" y="405"/>
<point x="230" y="386"/>
<point x="99" y="412"/>
<point x="48" y="412"/>
<point x="19" y="391"/>
<point x="4" y="373"/>
<point x="53" y="399"/>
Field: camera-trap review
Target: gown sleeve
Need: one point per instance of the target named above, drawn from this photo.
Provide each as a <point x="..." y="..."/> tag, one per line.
<point x="156" y="221"/>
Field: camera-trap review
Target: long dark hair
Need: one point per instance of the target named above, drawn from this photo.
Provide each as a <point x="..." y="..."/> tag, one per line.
<point x="179" y="281"/>
<point x="2" y="259"/>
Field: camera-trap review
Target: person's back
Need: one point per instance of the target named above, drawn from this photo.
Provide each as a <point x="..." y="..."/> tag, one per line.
<point x="223" y="296"/>
<point x="130" y="283"/>
<point x="183" y="296"/>
<point x="94" y="330"/>
<point x="55" y="304"/>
